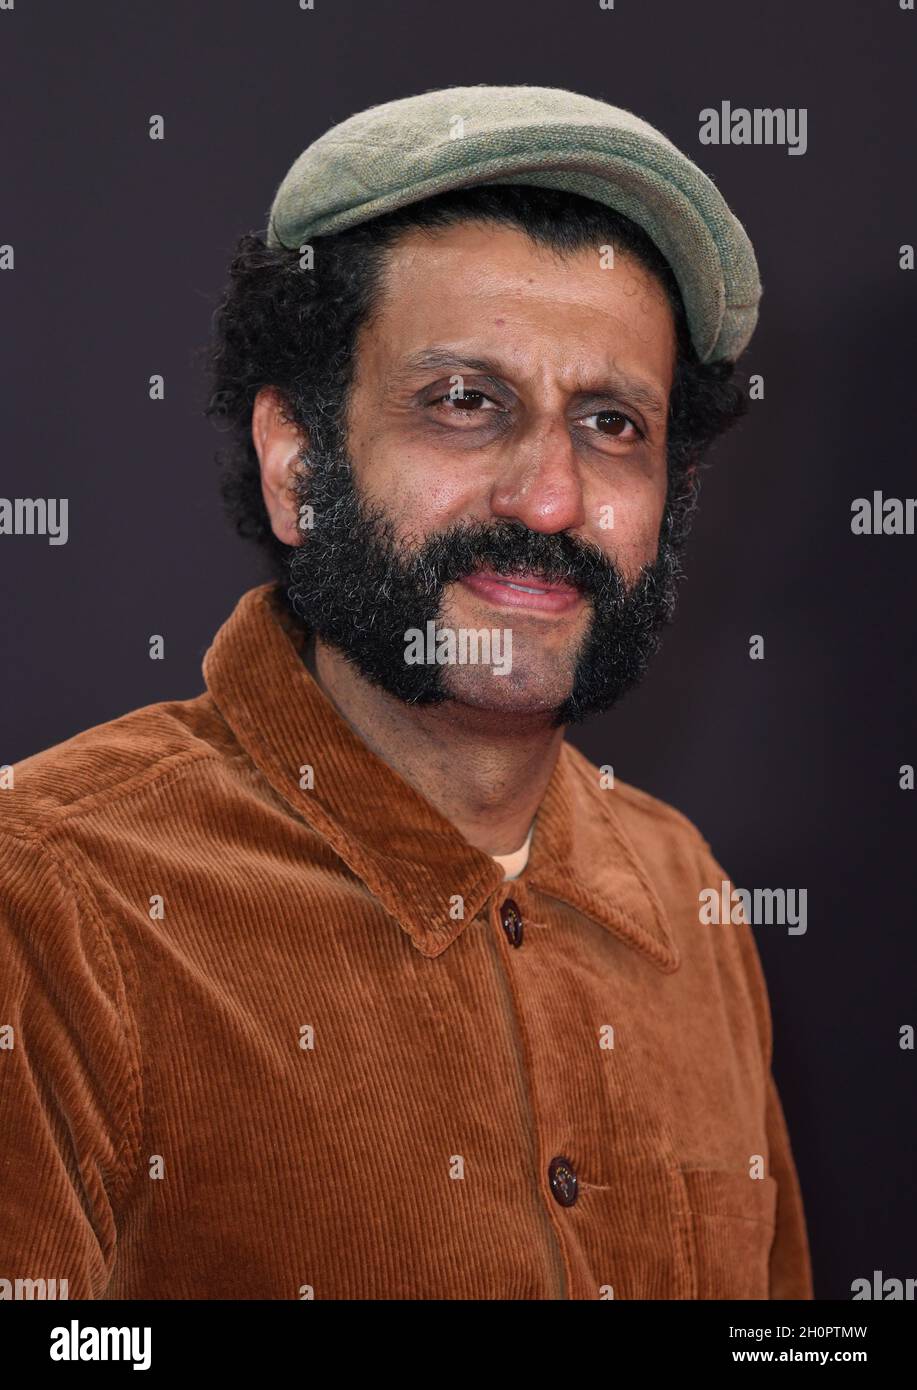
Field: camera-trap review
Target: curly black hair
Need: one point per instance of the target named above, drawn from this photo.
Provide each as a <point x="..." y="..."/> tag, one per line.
<point x="280" y="324"/>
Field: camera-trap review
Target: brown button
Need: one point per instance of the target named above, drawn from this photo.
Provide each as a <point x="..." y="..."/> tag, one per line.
<point x="511" y="918"/>
<point x="562" y="1177"/>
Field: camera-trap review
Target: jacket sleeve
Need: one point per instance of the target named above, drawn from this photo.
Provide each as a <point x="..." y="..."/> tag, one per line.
<point x="790" y="1264"/>
<point x="790" y="1261"/>
<point x="69" y="1081"/>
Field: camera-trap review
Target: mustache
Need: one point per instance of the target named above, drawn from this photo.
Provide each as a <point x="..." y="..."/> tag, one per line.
<point x="426" y="565"/>
<point x="508" y="548"/>
<point x="359" y="581"/>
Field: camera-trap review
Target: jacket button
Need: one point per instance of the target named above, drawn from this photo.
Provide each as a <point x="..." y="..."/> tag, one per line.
<point x="511" y="918"/>
<point x="562" y="1177"/>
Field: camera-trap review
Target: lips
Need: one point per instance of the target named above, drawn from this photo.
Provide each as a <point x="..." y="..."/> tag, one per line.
<point x="524" y="590"/>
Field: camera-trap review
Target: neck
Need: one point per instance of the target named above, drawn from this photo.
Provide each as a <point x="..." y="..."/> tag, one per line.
<point x="505" y="764"/>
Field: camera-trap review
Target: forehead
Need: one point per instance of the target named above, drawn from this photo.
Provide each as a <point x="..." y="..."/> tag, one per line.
<point x="490" y="287"/>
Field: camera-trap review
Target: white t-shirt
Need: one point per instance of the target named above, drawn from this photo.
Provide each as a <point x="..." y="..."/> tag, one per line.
<point x="514" y="863"/>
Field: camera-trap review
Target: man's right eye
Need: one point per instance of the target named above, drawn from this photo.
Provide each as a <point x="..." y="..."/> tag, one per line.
<point x="468" y="402"/>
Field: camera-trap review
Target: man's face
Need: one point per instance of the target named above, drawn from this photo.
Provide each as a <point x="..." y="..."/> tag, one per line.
<point x="507" y="424"/>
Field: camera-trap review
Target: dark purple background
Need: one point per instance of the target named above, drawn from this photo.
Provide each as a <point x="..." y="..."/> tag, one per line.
<point x="789" y="766"/>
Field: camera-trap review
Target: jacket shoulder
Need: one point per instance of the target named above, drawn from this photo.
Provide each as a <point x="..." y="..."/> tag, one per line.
<point x="643" y="815"/>
<point x="108" y="759"/>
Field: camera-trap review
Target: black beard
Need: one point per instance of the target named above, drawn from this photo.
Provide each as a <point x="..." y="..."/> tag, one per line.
<point x="351" y="583"/>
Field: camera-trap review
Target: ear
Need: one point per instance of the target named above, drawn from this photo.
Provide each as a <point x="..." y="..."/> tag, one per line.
<point x="278" y="444"/>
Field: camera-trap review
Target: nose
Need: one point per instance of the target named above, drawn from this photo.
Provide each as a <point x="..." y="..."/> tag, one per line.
<point x="538" y="481"/>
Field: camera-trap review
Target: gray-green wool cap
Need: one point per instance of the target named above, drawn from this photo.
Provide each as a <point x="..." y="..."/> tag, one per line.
<point x="459" y="137"/>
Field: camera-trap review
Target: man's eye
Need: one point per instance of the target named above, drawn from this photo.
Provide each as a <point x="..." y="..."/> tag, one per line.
<point x="614" y="423"/>
<point x="468" y="403"/>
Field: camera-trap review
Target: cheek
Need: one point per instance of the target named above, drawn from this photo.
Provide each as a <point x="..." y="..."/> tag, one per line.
<point x="421" y="494"/>
<point x="625" y="522"/>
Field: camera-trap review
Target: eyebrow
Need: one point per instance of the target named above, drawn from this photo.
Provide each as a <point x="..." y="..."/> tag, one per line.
<point x="618" y="385"/>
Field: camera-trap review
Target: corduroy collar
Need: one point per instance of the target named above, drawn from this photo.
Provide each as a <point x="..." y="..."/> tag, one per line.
<point x="407" y="854"/>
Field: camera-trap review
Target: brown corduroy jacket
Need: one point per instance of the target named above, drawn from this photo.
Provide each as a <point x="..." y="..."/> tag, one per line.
<point x="270" y="1027"/>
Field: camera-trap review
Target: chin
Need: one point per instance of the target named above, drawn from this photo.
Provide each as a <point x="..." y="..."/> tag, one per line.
<point x="506" y="695"/>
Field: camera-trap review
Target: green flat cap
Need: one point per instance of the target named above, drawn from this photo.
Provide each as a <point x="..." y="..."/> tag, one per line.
<point x="459" y="137"/>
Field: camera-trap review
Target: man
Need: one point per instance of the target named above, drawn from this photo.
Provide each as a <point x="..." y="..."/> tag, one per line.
<point x="351" y="978"/>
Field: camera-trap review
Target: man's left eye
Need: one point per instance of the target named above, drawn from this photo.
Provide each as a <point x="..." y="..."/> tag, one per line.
<point x="469" y="402"/>
<point x="614" y="423"/>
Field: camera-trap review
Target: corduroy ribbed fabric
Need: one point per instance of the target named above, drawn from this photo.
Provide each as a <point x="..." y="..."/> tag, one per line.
<point x="263" y="1033"/>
